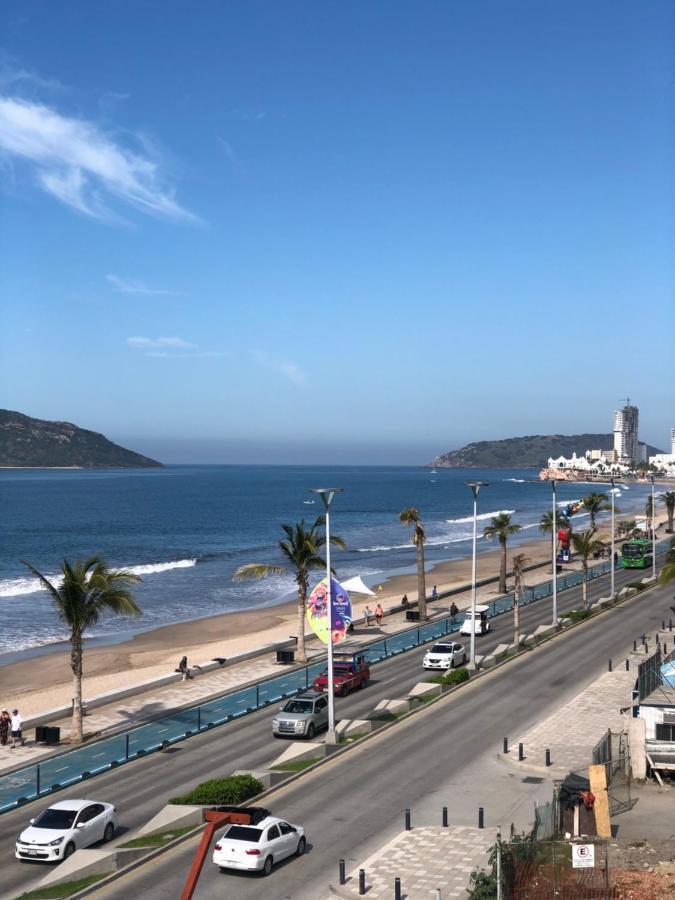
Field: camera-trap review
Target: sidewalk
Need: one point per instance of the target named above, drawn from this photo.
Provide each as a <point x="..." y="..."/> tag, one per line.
<point x="425" y="859"/>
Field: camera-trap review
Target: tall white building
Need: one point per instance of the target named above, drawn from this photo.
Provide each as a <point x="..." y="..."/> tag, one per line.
<point x="672" y="441"/>
<point x="626" y="433"/>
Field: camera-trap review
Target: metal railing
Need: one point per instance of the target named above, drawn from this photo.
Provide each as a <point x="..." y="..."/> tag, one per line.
<point x="72" y="766"/>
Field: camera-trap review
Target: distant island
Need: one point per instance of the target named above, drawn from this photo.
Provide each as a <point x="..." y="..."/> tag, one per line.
<point x="36" y="443"/>
<point x="529" y="452"/>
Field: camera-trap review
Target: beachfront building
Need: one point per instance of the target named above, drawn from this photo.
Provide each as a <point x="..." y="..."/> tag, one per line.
<point x="626" y="433"/>
<point x="664" y="462"/>
<point x="672" y="441"/>
<point x="588" y="464"/>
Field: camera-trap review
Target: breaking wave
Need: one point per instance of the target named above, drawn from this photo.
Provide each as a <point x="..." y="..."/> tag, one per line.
<point x="488" y="515"/>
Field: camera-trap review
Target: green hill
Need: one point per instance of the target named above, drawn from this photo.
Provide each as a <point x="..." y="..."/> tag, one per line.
<point x="27" y="442"/>
<point x="532" y="451"/>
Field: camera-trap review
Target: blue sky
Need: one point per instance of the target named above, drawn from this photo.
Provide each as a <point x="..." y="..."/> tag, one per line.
<point x="336" y="232"/>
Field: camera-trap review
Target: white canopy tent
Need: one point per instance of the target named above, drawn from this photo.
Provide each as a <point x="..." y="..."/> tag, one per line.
<point x="357" y="586"/>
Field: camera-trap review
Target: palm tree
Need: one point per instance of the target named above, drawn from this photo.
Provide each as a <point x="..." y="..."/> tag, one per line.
<point x="626" y="527"/>
<point x="89" y="590"/>
<point x="585" y="544"/>
<point x="501" y="527"/>
<point x="649" y="513"/>
<point x="593" y="503"/>
<point x="300" y="550"/>
<point x="518" y="573"/>
<point x="669" y="499"/>
<point x="546" y="524"/>
<point x="410" y="516"/>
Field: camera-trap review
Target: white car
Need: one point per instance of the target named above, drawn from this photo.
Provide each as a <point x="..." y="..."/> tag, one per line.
<point x="445" y="655"/>
<point x="478" y="624"/>
<point x="65" y="827"/>
<point x="255" y="848"/>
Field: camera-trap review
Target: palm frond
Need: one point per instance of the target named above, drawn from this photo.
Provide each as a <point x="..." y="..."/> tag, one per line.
<point x="256" y="571"/>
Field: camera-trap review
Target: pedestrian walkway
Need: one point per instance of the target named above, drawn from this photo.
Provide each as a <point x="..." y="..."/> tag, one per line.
<point x="426" y="860"/>
<point x="573" y="730"/>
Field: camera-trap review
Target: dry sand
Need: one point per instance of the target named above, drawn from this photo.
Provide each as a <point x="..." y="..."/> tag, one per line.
<point x="44" y="682"/>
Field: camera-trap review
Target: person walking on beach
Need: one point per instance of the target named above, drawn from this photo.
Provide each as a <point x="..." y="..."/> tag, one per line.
<point x="367" y="615"/>
<point x="405" y="603"/>
<point x="379" y="612"/>
<point x="184" y="669"/>
<point x="434" y="593"/>
<point x="5" y="721"/>
<point x="453" y="609"/>
<point x="16" y="723"/>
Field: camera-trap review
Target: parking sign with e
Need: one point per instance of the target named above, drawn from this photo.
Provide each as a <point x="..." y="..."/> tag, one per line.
<point x="583" y="856"/>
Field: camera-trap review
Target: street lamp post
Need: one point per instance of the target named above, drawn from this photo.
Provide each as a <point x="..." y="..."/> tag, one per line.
<point x="327" y="495"/>
<point x="611" y="577"/>
<point x="554" y="556"/>
<point x="653" y="531"/>
<point x="475" y="488"/>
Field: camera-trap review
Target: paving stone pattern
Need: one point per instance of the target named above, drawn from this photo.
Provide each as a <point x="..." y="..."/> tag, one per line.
<point x="425" y="859"/>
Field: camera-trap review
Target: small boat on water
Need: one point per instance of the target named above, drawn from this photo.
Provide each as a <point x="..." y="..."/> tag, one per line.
<point x="308" y="502"/>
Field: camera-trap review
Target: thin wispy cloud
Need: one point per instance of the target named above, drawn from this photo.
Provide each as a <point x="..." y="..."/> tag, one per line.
<point x="74" y="161"/>
<point x="171" y="348"/>
<point x="132" y="286"/>
<point x="287" y="368"/>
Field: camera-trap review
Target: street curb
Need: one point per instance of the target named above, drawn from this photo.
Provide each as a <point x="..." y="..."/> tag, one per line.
<point x="341" y="750"/>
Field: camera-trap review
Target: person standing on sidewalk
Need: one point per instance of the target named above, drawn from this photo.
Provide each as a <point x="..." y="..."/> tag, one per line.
<point x="16" y="724"/>
<point x="5" y="721"/>
<point x="379" y="612"/>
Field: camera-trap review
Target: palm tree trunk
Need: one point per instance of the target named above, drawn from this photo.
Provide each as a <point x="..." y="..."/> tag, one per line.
<point x="302" y="606"/>
<point x="76" y="732"/>
<point x="421" y="582"/>
<point x="516" y="617"/>
<point x="502" y="568"/>
<point x="670" y="509"/>
<point x="584" y="585"/>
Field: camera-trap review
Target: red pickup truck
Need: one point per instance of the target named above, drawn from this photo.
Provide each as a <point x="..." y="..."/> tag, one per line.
<point x="350" y="671"/>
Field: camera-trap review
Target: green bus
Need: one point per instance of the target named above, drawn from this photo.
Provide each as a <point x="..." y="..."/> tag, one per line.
<point x="636" y="554"/>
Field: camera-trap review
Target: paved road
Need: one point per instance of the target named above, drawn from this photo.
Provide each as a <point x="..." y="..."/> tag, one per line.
<point x="141" y="787"/>
<point x="444" y="756"/>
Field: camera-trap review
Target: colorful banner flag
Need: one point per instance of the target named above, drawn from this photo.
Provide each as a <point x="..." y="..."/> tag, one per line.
<point x="317" y="611"/>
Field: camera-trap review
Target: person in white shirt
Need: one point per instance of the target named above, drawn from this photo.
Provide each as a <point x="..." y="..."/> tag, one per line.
<point x="15" y="727"/>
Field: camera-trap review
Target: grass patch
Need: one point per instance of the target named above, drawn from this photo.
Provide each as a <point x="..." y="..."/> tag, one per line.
<point x="577" y="615"/>
<point x="58" y="891"/>
<point x="453" y="677"/>
<point x="425" y="698"/>
<point x="156" y="840"/>
<point x="386" y="715"/>
<point x="350" y="738"/>
<point x="296" y="765"/>
<point x="228" y="791"/>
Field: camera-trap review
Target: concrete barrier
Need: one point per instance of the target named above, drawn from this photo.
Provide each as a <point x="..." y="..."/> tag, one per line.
<point x="424" y="688"/>
<point x="170" y="816"/>
<point x="81" y="864"/>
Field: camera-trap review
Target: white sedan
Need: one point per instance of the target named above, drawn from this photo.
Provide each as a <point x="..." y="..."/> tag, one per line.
<point x="445" y="656"/>
<point x="63" y="828"/>
<point x="255" y="848"/>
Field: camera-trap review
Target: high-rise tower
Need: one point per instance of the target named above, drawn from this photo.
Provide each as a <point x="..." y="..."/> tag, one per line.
<point x="626" y="432"/>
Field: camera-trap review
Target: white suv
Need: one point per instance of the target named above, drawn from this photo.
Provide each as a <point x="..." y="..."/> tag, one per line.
<point x="445" y="656"/>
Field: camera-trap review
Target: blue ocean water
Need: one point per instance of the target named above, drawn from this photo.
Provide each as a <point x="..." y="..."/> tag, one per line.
<point x="185" y="529"/>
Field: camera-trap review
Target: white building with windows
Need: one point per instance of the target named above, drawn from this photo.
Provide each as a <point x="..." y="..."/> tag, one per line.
<point x="626" y="433"/>
<point x="588" y="464"/>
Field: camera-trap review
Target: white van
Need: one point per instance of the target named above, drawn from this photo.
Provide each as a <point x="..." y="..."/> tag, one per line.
<point x="479" y="625"/>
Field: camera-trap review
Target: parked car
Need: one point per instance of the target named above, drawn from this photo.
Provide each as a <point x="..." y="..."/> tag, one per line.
<point x="302" y="716"/>
<point x="350" y="671"/>
<point x="445" y="655"/>
<point x="255" y="848"/>
<point x="479" y="625"/>
<point x="65" y="827"/>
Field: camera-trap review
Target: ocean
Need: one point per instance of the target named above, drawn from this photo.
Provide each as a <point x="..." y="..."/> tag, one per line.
<point x="185" y="529"/>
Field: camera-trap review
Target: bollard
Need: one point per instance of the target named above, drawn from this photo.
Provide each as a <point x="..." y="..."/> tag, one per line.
<point x="548" y="757"/>
<point x="445" y="817"/>
<point x="521" y="755"/>
<point x="656" y="639"/>
<point x="341" y="869"/>
<point x="397" y="889"/>
<point x="634" y="646"/>
<point x="609" y="667"/>
<point x="506" y="745"/>
<point x="407" y="820"/>
<point x="627" y="665"/>
<point x="481" y="817"/>
<point x="362" y="882"/>
<point x="670" y="624"/>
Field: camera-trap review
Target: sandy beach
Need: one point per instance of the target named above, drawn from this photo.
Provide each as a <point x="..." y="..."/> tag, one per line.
<point x="44" y="682"/>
